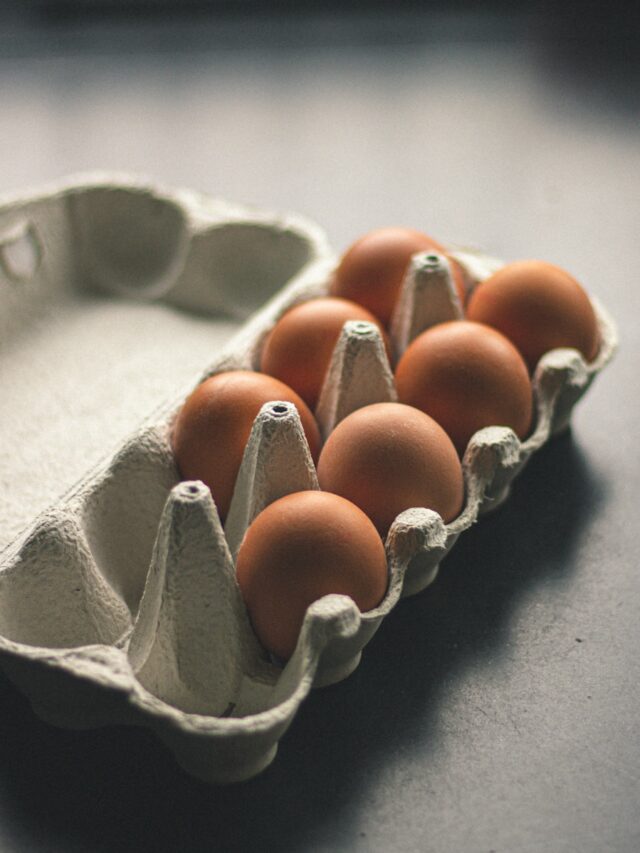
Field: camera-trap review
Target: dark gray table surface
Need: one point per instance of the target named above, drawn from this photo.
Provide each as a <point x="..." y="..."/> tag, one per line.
<point x="498" y="711"/>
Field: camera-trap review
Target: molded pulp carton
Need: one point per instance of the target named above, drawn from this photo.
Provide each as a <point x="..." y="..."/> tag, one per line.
<point x="118" y="604"/>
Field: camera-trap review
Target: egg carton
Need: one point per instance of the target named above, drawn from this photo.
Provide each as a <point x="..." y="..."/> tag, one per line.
<point x="119" y="604"/>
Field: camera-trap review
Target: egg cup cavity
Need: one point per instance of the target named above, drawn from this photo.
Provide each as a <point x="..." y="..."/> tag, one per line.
<point x="121" y="604"/>
<point x="120" y="507"/>
<point x="53" y="594"/>
<point x="144" y="256"/>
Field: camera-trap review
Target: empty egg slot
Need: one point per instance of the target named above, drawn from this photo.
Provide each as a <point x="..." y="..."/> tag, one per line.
<point x="233" y="267"/>
<point x="122" y="510"/>
<point x="129" y="242"/>
<point x="242" y="740"/>
<point x="54" y="594"/>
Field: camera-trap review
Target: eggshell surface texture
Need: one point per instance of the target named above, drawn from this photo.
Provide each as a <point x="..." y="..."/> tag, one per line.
<point x="539" y="307"/>
<point x="372" y="269"/>
<point x="466" y="376"/>
<point x="214" y="424"/>
<point x="300" y="548"/>
<point x="389" y="457"/>
<point x="299" y="348"/>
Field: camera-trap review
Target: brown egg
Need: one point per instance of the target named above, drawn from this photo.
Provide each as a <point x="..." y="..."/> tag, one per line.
<point x="214" y="424"/>
<point x="389" y="457"/>
<point x="466" y="376"/>
<point x="539" y="307"/>
<point x="298" y="351"/>
<point x="302" y="547"/>
<point x="372" y="269"/>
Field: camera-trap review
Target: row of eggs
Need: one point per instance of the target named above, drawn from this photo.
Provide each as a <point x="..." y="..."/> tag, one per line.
<point x="452" y="380"/>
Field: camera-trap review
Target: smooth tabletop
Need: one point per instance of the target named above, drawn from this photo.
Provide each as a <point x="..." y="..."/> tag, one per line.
<point x="498" y="710"/>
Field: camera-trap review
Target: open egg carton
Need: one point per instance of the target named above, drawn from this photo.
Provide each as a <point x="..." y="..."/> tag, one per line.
<point x="119" y="604"/>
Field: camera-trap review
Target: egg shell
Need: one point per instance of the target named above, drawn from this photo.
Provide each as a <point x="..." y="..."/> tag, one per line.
<point x="214" y="424"/>
<point x="372" y="270"/>
<point x="389" y="457"/>
<point x="466" y="376"/>
<point x="299" y="348"/>
<point x="539" y="307"/>
<point x="300" y="548"/>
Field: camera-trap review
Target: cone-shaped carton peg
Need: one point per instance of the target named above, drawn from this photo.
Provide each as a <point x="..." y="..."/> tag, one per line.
<point x="359" y="375"/>
<point x="276" y="462"/>
<point x="428" y="296"/>
<point x="186" y="646"/>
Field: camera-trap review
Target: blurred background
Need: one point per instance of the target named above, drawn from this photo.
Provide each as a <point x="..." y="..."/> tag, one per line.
<point x="499" y="712"/>
<point x="447" y="116"/>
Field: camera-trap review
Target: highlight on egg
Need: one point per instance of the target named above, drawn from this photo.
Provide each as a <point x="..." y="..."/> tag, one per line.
<point x="466" y="376"/>
<point x="300" y="548"/>
<point x="372" y="270"/>
<point x="539" y="307"/>
<point x="213" y="426"/>
<point x="298" y="350"/>
<point x="389" y="457"/>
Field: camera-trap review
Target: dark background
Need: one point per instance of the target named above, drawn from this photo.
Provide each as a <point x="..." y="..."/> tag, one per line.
<point x="498" y="711"/>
